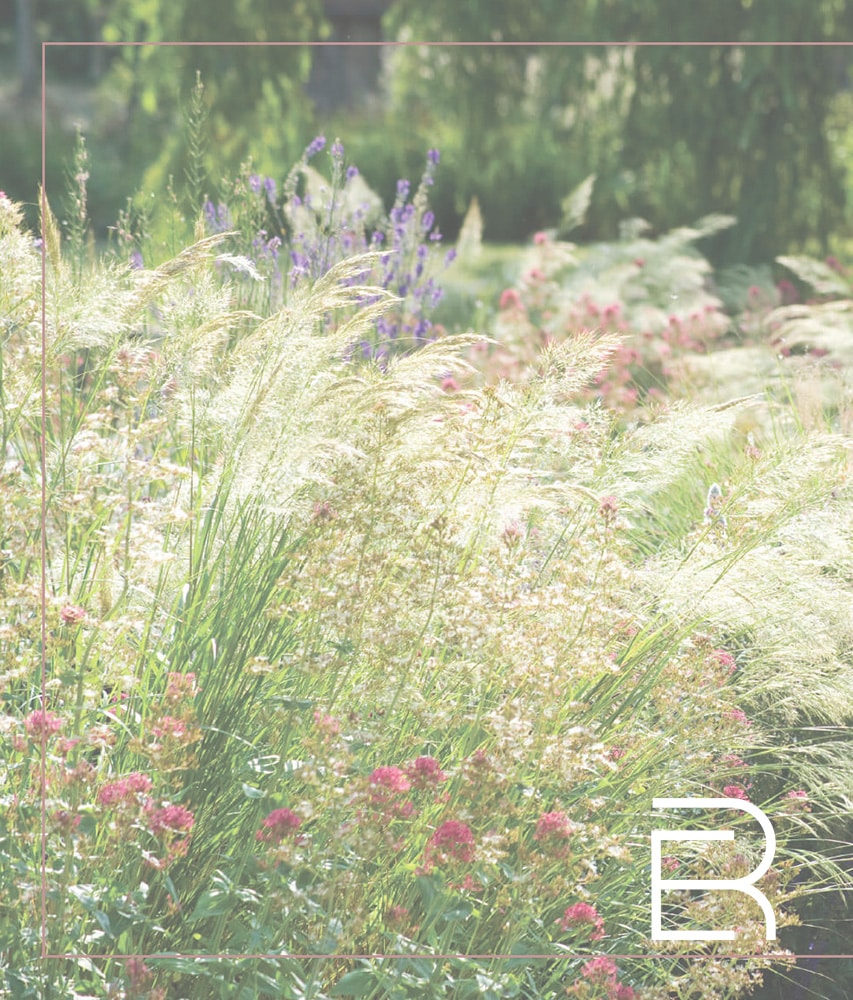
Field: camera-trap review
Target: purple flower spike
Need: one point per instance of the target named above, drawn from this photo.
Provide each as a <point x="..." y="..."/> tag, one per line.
<point x="315" y="146"/>
<point x="269" y="187"/>
<point x="352" y="172"/>
<point x="428" y="221"/>
<point x="433" y="156"/>
<point x="255" y="183"/>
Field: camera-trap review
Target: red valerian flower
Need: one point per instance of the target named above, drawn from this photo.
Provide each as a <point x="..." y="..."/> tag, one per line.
<point x="453" y="840"/>
<point x="735" y="792"/>
<point x="181" y="685"/>
<point x="424" y="772"/>
<point x="40" y="723"/>
<point x="279" y="824"/>
<point x="124" y="789"/>
<point x="72" y="615"/>
<point x="553" y="826"/>
<point x="797" y="801"/>
<point x="580" y="914"/>
<point x="391" y="778"/>
<point x="170" y="819"/>
<point x="510" y="299"/>
<point x="600" y="970"/>
<point x="725" y="659"/>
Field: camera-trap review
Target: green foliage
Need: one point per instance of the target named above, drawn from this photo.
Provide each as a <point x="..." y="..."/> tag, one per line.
<point x="672" y="132"/>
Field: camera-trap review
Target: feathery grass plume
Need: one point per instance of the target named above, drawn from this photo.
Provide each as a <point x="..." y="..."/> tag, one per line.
<point x="276" y="387"/>
<point x="149" y="284"/>
<point x="76" y="208"/>
<point x="818" y="274"/>
<point x="572" y="364"/>
<point x="20" y="310"/>
<point x="197" y="141"/>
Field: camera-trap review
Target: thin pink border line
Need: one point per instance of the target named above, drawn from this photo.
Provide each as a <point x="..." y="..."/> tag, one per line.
<point x="43" y="548"/>
<point x="456" y="44"/>
<point x="676" y="956"/>
<point x="45" y="955"/>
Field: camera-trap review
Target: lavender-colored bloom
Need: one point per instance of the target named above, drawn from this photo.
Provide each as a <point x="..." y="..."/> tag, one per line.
<point x="433" y="156"/>
<point x="352" y="172"/>
<point x="136" y="260"/>
<point x="269" y="187"/>
<point x="217" y="217"/>
<point x="450" y="256"/>
<point x="427" y="221"/>
<point x="315" y="146"/>
<point x="403" y="189"/>
<point x="435" y="236"/>
<point x="255" y="183"/>
<point x="337" y="149"/>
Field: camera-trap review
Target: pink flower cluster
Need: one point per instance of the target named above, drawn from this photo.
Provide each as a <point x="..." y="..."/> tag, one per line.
<point x="387" y="785"/>
<point x="40" y="724"/>
<point x="602" y="971"/>
<point x="581" y="915"/>
<point x="327" y="724"/>
<point x="170" y="727"/>
<point x="797" y="801"/>
<point x="278" y="825"/>
<point x="553" y="831"/>
<point x="724" y="659"/>
<point x="452" y="841"/>
<point x="170" y="819"/>
<point x="553" y="826"/>
<point x="72" y="615"/>
<point x="425" y="772"/>
<point x="125" y="789"/>
<point x="735" y="792"/>
<point x="391" y="779"/>
<point x="180" y="686"/>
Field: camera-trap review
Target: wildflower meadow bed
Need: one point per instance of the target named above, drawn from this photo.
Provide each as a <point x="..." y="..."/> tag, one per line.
<point x="351" y="651"/>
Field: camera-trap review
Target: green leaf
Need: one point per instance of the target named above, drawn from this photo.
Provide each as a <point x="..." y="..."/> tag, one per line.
<point x="461" y="911"/>
<point x="210" y="904"/>
<point x="358" y="983"/>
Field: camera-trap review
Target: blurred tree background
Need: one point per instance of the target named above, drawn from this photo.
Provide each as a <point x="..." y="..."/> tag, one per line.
<point x="671" y="133"/>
